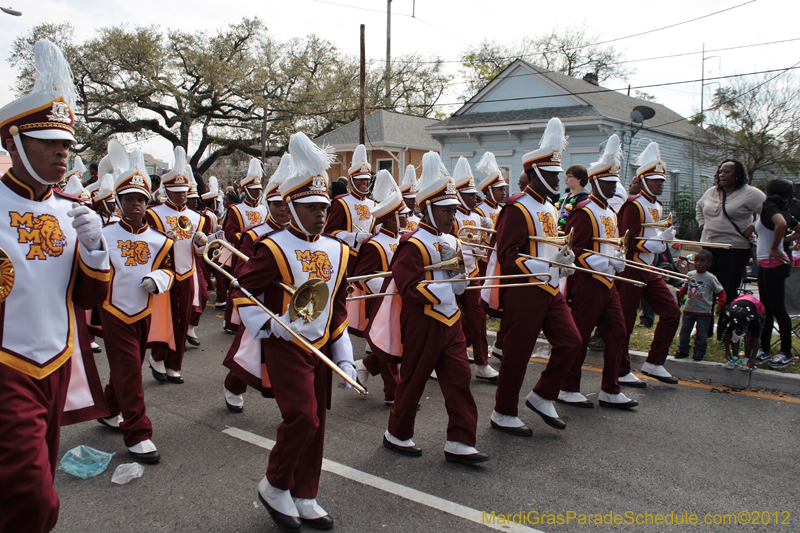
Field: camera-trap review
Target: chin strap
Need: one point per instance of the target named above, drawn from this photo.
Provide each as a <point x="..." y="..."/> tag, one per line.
<point x="297" y="220"/>
<point x="599" y="190"/>
<point x="25" y="162"/>
<point x="541" y="179"/>
<point x="643" y="182"/>
<point x="430" y="217"/>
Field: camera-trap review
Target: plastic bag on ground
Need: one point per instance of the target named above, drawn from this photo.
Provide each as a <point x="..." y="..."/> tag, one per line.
<point x="85" y="462"/>
<point x="126" y="472"/>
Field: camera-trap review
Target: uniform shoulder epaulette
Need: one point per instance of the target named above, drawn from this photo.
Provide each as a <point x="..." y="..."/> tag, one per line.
<point x="66" y="196"/>
<point x="515" y="197"/>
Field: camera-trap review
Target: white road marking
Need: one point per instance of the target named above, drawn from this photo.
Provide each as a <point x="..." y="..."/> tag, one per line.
<point x="414" y="495"/>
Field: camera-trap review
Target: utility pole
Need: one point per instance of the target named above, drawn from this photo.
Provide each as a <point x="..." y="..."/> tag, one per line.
<point x="264" y="138"/>
<point x="362" y="82"/>
<point x="702" y="83"/>
<point x="388" y="49"/>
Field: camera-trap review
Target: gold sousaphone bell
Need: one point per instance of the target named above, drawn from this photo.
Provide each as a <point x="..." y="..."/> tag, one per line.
<point x="6" y="275"/>
<point x="307" y="300"/>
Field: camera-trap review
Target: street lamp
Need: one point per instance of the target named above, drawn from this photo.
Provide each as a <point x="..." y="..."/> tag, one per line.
<point x="639" y="114"/>
<point x="11" y="11"/>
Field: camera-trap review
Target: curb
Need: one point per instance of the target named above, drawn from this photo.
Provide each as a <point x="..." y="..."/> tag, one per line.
<point x="691" y="369"/>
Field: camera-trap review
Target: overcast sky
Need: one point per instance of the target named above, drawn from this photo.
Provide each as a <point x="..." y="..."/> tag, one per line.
<point x="447" y="27"/>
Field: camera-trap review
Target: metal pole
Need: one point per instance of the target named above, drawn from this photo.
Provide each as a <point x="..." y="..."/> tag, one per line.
<point x="362" y="91"/>
<point x="388" y="49"/>
<point x="264" y="139"/>
<point x="702" y="83"/>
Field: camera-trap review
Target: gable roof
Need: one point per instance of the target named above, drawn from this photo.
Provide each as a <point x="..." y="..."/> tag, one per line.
<point x="596" y="101"/>
<point x="384" y="129"/>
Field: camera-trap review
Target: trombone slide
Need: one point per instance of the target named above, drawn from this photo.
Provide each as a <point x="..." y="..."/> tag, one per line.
<point x="586" y="270"/>
<point x="647" y="268"/>
<point x="689" y="243"/>
<point x="482" y="278"/>
<point x="302" y="340"/>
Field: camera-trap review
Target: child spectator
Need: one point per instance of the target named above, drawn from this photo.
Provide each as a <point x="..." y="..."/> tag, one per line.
<point x="700" y="289"/>
<point x="774" y="268"/>
<point x="744" y="318"/>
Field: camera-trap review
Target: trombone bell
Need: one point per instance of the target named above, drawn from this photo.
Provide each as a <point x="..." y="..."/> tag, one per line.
<point x="308" y="300"/>
<point x="663" y="224"/>
<point x="618" y="242"/>
<point x="556" y="241"/>
<point x="6" y="275"/>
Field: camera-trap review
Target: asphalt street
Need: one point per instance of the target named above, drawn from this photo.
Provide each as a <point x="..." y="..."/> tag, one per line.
<point x="688" y="448"/>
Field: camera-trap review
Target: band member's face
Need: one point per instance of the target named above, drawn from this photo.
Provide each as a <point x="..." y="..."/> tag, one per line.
<point x="177" y="198"/>
<point x="279" y="211"/>
<point x="470" y="199"/>
<point x="109" y="207"/>
<point x="523" y="181"/>
<point x="655" y="186"/>
<point x="499" y="194"/>
<point x="635" y="187"/>
<point x="550" y="177"/>
<point x="47" y="157"/>
<point x="360" y="184"/>
<point x="727" y="175"/>
<point x="411" y="203"/>
<point x="312" y="216"/>
<point x="607" y="187"/>
<point x="132" y="206"/>
<point x="444" y="216"/>
<point x="252" y="193"/>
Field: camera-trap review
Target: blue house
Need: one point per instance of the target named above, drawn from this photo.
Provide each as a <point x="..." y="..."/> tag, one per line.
<point x="508" y="117"/>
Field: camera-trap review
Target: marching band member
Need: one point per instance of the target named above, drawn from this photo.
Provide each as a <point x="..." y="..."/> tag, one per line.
<point x="409" y="189"/>
<point x="299" y="381"/>
<point x="375" y="256"/>
<point x="349" y="218"/>
<point x="141" y="262"/>
<point x="54" y="264"/>
<point x="239" y="217"/>
<point x="593" y="297"/>
<point x="493" y="188"/>
<point x="170" y="320"/>
<point x="78" y="169"/>
<point x="211" y="201"/>
<point x="644" y="207"/>
<point x="432" y="335"/>
<point x="473" y="317"/>
<point x="103" y="202"/>
<point x="244" y="356"/>
<point x="531" y="309"/>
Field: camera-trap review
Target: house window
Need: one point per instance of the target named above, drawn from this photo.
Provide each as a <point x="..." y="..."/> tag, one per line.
<point x="386" y="164"/>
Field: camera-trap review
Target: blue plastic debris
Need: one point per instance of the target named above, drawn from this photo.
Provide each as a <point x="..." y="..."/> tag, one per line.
<point x="85" y="462"/>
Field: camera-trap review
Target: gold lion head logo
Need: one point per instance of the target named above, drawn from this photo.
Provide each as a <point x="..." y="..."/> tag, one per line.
<point x="51" y="237"/>
<point x="141" y="252"/>
<point x="548" y="224"/>
<point x="653" y="214"/>
<point x="608" y="226"/>
<point x="317" y="264"/>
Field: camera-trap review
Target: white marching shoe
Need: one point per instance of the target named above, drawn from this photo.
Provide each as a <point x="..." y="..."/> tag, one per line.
<point x="630" y="380"/>
<point x="545" y="409"/>
<point x="361" y="372"/>
<point x="575" y="399"/>
<point x="619" y="400"/>
<point x="486" y="373"/>
<point x="658" y="372"/>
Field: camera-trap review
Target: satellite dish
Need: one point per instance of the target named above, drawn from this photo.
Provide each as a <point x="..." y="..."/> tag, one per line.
<point x="645" y="112"/>
<point x="637" y="117"/>
<point x="10" y="11"/>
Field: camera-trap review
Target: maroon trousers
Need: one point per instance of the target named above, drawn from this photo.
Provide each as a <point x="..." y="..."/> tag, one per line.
<point x="232" y="382"/>
<point x="30" y="421"/>
<point x="180" y="297"/>
<point x="663" y="303"/>
<point x="473" y="322"/>
<point x="594" y="304"/>
<point x="202" y="284"/>
<point x="378" y="362"/>
<point x="430" y="345"/>
<point x="126" y="345"/>
<point x="301" y="385"/>
<point x="222" y="288"/>
<point x="526" y="311"/>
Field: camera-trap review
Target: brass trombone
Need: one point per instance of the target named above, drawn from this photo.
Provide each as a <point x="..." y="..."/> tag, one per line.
<point x="305" y="303"/>
<point x="566" y="240"/>
<point x="454" y="264"/>
<point x="646" y="268"/>
<point x="619" y="242"/>
<point x="663" y="224"/>
<point x="688" y="243"/>
<point x="6" y="275"/>
<point x="581" y="269"/>
<point x="469" y="287"/>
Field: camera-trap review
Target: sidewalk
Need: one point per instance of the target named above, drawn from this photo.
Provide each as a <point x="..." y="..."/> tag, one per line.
<point x="691" y="369"/>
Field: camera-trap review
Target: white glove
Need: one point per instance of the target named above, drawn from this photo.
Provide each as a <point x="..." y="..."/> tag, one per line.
<point x="668" y="234"/>
<point x="200" y="238"/>
<point x="486" y="223"/>
<point x="618" y="264"/>
<point x="361" y="237"/>
<point x="348" y="368"/>
<point x="563" y="257"/>
<point x="87" y="225"/>
<point x="446" y="251"/>
<point x="566" y="272"/>
<point x="283" y="333"/>
<point x="219" y="233"/>
<point x="149" y="285"/>
<point x="459" y="287"/>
